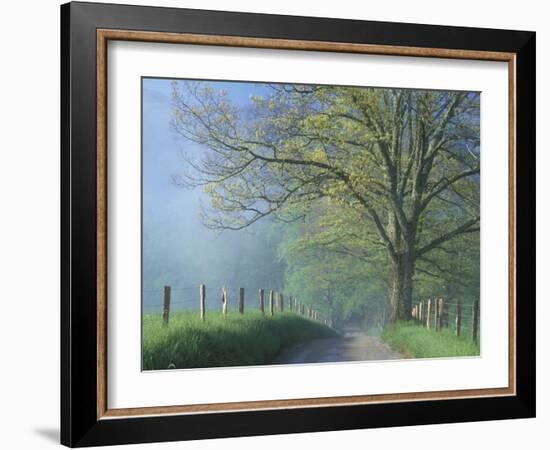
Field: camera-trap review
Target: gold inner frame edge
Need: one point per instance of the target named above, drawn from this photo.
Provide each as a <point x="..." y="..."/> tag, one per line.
<point x="103" y="36"/>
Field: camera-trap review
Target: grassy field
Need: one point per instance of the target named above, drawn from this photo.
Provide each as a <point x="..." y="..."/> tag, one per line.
<point x="240" y="340"/>
<point x="418" y="342"/>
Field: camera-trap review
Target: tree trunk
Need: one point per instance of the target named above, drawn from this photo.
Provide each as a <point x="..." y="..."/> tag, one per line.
<point x="401" y="290"/>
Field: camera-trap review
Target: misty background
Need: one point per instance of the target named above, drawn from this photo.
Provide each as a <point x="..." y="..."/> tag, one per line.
<point x="178" y="250"/>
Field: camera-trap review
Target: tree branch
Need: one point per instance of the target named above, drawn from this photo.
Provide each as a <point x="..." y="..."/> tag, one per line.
<point x="467" y="227"/>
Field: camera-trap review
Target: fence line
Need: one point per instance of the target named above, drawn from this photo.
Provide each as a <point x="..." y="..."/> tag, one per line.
<point x="436" y="314"/>
<point x="276" y="303"/>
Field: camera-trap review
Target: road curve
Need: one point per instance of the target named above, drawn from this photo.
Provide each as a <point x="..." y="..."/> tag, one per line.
<point x="350" y="347"/>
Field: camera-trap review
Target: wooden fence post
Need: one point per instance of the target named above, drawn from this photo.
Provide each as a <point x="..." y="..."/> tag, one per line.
<point x="458" y="317"/>
<point x="435" y="306"/>
<point x="440" y="313"/>
<point x="475" y="318"/>
<point x="424" y="308"/>
<point x="241" y="300"/>
<point x="225" y="300"/>
<point x="261" y="296"/>
<point x="166" y="305"/>
<point x="271" y="301"/>
<point x="421" y="313"/>
<point x="429" y="314"/>
<point x="202" y="301"/>
<point x="425" y="313"/>
<point x="436" y="314"/>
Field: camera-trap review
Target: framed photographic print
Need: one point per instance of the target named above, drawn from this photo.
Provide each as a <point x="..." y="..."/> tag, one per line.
<point x="277" y="224"/>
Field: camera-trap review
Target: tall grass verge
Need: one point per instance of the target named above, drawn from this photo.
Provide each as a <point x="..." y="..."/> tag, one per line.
<point x="418" y="342"/>
<point x="240" y="340"/>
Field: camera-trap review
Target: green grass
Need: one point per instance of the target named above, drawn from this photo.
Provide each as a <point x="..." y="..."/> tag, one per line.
<point x="418" y="342"/>
<point x="240" y="340"/>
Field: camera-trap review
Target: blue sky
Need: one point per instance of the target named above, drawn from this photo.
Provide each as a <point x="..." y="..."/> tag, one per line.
<point x="162" y="200"/>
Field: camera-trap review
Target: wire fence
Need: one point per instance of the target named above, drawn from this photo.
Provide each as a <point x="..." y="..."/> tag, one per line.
<point x="435" y="313"/>
<point x="187" y="297"/>
<point x="221" y="298"/>
<point x="438" y="314"/>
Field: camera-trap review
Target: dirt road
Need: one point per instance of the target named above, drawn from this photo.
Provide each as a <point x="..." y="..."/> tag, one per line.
<point x="350" y="347"/>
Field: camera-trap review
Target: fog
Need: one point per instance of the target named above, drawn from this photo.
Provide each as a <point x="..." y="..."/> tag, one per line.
<point x="178" y="250"/>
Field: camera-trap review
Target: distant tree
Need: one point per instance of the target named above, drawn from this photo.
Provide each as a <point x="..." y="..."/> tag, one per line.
<point x="329" y="266"/>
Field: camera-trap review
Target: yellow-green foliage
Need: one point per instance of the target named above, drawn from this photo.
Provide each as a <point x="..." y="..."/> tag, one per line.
<point x="239" y="340"/>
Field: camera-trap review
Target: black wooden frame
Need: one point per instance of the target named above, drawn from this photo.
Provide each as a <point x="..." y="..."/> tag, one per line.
<point x="79" y="423"/>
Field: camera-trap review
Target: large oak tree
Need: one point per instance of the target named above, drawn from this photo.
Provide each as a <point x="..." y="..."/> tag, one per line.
<point x="401" y="165"/>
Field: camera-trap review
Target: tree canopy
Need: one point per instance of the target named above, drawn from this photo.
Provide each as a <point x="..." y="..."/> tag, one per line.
<point x="381" y="185"/>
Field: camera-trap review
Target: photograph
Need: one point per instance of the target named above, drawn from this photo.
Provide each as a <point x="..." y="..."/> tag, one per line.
<point x="287" y="223"/>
